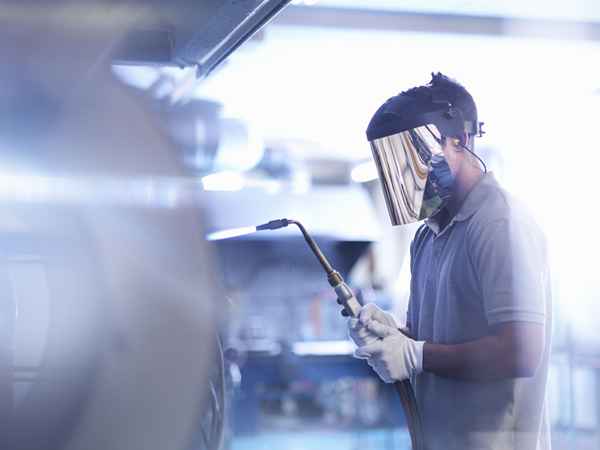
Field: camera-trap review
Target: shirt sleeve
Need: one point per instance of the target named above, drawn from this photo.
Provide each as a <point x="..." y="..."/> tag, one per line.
<point x="510" y="262"/>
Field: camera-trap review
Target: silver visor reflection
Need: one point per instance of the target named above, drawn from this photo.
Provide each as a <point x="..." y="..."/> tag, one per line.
<point x="402" y="162"/>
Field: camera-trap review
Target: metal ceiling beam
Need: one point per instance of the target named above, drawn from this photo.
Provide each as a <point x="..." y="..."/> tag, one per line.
<point x="362" y="19"/>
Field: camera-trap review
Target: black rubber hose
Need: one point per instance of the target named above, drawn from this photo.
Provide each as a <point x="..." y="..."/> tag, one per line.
<point x="413" y="419"/>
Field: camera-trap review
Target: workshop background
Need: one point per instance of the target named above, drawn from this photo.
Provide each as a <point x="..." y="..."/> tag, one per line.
<point x="278" y="130"/>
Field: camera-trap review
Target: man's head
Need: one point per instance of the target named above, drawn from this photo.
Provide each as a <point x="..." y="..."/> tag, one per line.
<point x="422" y="142"/>
<point x="461" y="157"/>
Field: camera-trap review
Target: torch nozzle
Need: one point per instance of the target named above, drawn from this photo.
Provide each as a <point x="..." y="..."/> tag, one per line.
<point x="273" y="225"/>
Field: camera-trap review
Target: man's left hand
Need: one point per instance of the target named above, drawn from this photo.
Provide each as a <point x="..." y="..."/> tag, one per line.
<point x="395" y="357"/>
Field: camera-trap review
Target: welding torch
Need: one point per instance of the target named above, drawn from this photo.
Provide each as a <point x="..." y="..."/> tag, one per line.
<point x="352" y="307"/>
<point x="345" y="295"/>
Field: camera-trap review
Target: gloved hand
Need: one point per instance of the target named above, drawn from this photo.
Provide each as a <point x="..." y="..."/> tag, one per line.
<point x="371" y="312"/>
<point x="395" y="357"/>
<point x="357" y="326"/>
<point x="359" y="333"/>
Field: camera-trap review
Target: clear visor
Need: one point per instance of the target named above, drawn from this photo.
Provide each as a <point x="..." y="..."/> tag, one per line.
<point x="402" y="161"/>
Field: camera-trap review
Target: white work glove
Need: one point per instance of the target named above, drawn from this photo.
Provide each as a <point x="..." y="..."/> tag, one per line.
<point x="395" y="357"/>
<point x="357" y="326"/>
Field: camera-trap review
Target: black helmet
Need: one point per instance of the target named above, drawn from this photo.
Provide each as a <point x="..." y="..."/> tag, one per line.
<point x="443" y="102"/>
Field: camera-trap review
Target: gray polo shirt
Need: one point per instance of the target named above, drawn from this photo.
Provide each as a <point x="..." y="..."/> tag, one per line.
<point x="486" y="267"/>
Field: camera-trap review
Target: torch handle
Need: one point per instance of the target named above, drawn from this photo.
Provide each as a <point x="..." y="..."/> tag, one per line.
<point x="347" y="299"/>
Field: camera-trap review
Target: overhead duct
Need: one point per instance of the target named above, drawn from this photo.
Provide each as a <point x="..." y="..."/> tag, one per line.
<point x="200" y="34"/>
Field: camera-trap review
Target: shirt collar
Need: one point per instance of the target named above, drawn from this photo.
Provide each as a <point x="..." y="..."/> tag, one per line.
<point x="473" y="201"/>
<point x="476" y="197"/>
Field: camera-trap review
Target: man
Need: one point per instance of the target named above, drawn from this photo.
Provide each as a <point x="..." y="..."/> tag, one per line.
<point x="479" y="311"/>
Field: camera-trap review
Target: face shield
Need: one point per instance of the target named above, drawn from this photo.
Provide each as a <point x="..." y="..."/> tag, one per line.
<point x="411" y="169"/>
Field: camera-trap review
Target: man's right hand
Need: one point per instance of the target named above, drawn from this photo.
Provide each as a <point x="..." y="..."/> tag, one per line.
<point x="373" y="312"/>
<point x="357" y="327"/>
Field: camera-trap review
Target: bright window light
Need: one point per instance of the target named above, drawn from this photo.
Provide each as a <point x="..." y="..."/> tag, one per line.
<point x="223" y="181"/>
<point x="364" y="172"/>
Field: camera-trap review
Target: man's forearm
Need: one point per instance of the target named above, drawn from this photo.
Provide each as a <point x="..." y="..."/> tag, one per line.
<point x="476" y="361"/>
<point x="512" y="353"/>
